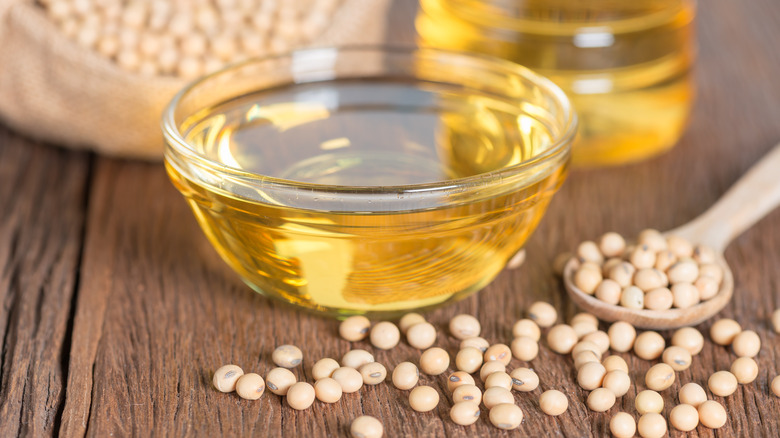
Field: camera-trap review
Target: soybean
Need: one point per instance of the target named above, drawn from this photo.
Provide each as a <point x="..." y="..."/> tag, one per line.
<point x="746" y="344"/>
<point x="524" y="379"/>
<point x="468" y="359"/>
<point x="688" y="338"/>
<point x="405" y="375"/>
<point x="527" y="328"/>
<point x="385" y="335"/>
<point x="601" y="399"/>
<point x="507" y="416"/>
<point x="622" y="336"/>
<point x="408" y="320"/>
<point x="543" y="314"/>
<point x="677" y="357"/>
<point x="423" y="399"/>
<point x="618" y="382"/>
<point x="327" y="390"/>
<point x="651" y="425"/>
<point x="684" y="417"/>
<point x="649" y="345"/>
<point x="250" y="386"/>
<point x="459" y="378"/>
<point x="300" y="396"/>
<point x="497" y="395"/>
<point x="421" y="335"/>
<point x="226" y="376"/>
<point x="745" y="369"/>
<point x="500" y="379"/>
<point x="523" y="348"/>
<point x="434" y="361"/>
<point x="692" y="394"/>
<point x="350" y="379"/>
<point x="723" y="331"/>
<point x="366" y="427"/>
<point x="323" y="368"/>
<point x="562" y="338"/>
<point x="622" y="425"/>
<point x="356" y="358"/>
<point x="553" y="402"/>
<point x="499" y="352"/>
<point x="465" y="413"/>
<point x="722" y="383"/>
<point x="648" y="401"/>
<point x="467" y="393"/>
<point x="373" y="373"/>
<point x="287" y="356"/>
<point x="464" y="326"/>
<point x="279" y="380"/>
<point x="712" y="414"/>
<point x="659" y="377"/>
<point x="354" y="328"/>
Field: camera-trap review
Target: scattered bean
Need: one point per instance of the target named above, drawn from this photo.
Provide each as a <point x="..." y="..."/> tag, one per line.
<point x="524" y="379"/>
<point x="434" y="361"/>
<point x="421" y="335"/>
<point x="651" y="425"/>
<point x="496" y="396"/>
<point x="356" y="358"/>
<point x="527" y="328"/>
<point x="523" y="348"/>
<point x="250" y="386"/>
<point x="468" y="359"/>
<point x="659" y="299"/>
<point x="385" y="335"/>
<point x="584" y="357"/>
<point x="366" y="427"/>
<point x="649" y="345"/>
<point x="688" y="338"/>
<point x="500" y="379"/>
<point x="723" y="331"/>
<point x="354" y="328"/>
<point x="591" y="375"/>
<point x="745" y="369"/>
<point x="464" y="326"/>
<point x="543" y="314"/>
<point x="692" y="394"/>
<point x="583" y="328"/>
<point x="491" y="367"/>
<point x="584" y="317"/>
<point x="323" y="368"/>
<point x="465" y="413"/>
<point x="712" y="414"/>
<point x="562" y="338"/>
<point x="722" y="383"/>
<point x="618" y="382"/>
<point x="649" y="401"/>
<point x="622" y="425"/>
<point x="279" y="380"/>
<point x="600" y="339"/>
<point x="776" y="320"/>
<point x="373" y="373"/>
<point x="408" y="320"/>
<point x="601" y="400"/>
<point x="776" y="386"/>
<point x="677" y="357"/>
<point x="685" y="295"/>
<point x="479" y="343"/>
<point x="350" y="379"/>
<point x="684" y="417"/>
<point x="613" y="362"/>
<point x="507" y="416"/>
<point x="327" y="390"/>
<point x="300" y="396"/>
<point x="499" y="352"/>
<point x="467" y="393"/>
<point x="746" y="344"/>
<point x="622" y="336"/>
<point x="226" y="376"/>
<point x="423" y="399"/>
<point x="553" y="402"/>
<point x="287" y="356"/>
<point x="659" y="377"/>
<point x="459" y="378"/>
<point x="405" y="375"/>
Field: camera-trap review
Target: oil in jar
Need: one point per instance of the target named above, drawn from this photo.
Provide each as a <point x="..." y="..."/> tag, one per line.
<point x="625" y="65"/>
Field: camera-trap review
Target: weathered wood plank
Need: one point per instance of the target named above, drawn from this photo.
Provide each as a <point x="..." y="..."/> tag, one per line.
<point x="43" y="194"/>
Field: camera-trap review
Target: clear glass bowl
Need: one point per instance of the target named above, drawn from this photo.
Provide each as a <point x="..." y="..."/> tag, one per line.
<point x="369" y="180"/>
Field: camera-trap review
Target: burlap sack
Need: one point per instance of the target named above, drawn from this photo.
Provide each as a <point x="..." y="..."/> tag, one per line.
<point x="55" y="90"/>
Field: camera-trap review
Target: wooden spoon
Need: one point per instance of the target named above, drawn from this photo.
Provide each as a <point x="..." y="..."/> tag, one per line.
<point x="750" y="199"/>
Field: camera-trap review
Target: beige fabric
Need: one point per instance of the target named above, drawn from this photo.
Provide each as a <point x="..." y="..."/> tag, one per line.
<point x="54" y="90"/>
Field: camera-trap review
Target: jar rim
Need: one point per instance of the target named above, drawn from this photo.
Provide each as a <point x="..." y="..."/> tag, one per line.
<point x="497" y="20"/>
<point x="177" y="148"/>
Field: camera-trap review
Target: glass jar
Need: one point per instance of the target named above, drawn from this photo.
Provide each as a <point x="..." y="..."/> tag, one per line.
<point x="626" y="65"/>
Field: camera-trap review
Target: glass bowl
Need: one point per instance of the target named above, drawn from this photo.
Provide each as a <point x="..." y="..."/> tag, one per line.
<point x="369" y="180"/>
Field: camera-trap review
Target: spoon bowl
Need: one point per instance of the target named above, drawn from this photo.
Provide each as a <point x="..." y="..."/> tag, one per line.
<point x="750" y="199"/>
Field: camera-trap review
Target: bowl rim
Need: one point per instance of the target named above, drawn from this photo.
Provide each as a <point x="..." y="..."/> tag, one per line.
<point x="176" y="143"/>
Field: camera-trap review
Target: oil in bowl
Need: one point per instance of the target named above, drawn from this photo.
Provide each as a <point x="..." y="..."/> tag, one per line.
<point x="625" y="65"/>
<point x="369" y="180"/>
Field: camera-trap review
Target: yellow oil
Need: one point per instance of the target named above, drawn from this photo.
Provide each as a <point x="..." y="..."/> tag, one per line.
<point x="343" y="254"/>
<point x="625" y="65"/>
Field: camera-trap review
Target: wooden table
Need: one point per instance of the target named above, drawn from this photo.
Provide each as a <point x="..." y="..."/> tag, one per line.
<point x="115" y="311"/>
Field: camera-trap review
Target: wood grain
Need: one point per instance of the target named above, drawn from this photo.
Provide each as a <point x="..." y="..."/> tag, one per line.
<point x="43" y="193"/>
<point x="156" y="311"/>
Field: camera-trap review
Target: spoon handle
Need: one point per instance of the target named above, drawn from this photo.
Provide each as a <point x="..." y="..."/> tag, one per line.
<point x="746" y="202"/>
